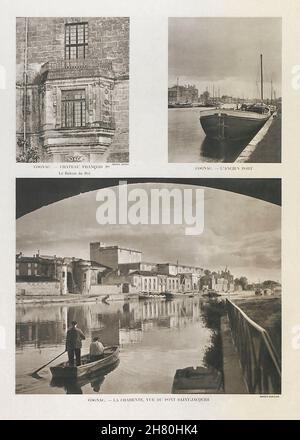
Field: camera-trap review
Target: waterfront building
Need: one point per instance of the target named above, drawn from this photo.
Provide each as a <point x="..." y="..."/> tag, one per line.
<point x="126" y="268"/>
<point x="30" y="268"/>
<point x="175" y="269"/>
<point x="52" y="275"/>
<point x="72" y="80"/>
<point x="112" y="270"/>
<point x="219" y="281"/>
<point x="113" y="256"/>
<point x="183" y="94"/>
<point x="143" y="281"/>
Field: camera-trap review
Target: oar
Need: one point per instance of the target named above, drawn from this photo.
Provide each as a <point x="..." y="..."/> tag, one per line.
<point x="34" y="374"/>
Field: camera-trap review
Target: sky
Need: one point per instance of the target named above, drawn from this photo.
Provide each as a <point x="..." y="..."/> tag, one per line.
<point x="240" y="232"/>
<point x="225" y="53"/>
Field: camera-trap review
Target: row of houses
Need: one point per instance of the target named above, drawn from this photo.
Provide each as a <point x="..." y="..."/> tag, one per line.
<point x="112" y="270"/>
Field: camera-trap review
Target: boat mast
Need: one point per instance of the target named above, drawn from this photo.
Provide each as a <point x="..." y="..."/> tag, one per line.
<point x="271" y="91"/>
<point x="177" y="90"/>
<point x="261" y="79"/>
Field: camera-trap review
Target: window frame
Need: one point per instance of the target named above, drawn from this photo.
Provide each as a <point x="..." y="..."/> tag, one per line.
<point x="64" y="109"/>
<point x="69" y="45"/>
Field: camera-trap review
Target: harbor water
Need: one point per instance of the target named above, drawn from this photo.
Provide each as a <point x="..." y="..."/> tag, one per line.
<point x="156" y="338"/>
<point x="188" y="142"/>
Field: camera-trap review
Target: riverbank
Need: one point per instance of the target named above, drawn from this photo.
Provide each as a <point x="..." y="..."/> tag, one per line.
<point x="77" y="298"/>
<point x="266" y="312"/>
<point x="62" y="299"/>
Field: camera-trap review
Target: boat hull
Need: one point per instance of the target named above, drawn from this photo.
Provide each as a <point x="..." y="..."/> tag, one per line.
<point x="198" y="380"/>
<point x="63" y="370"/>
<point x="231" y="125"/>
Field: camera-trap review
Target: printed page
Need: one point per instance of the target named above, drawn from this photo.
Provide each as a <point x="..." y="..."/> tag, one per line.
<point x="149" y="200"/>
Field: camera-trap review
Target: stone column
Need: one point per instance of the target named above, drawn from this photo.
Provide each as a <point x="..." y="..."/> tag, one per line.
<point x="64" y="274"/>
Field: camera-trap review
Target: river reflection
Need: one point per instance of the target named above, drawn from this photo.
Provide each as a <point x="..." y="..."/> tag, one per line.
<point x="156" y="338"/>
<point x="74" y="386"/>
<point x="188" y="142"/>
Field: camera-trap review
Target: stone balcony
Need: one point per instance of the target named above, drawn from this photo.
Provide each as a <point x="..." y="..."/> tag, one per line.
<point x="84" y="68"/>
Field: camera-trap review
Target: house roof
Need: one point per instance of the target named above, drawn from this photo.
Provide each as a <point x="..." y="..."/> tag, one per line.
<point x="144" y="273"/>
<point x="23" y="259"/>
<point x="148" y="273"/>
<point x="95" y="263"/>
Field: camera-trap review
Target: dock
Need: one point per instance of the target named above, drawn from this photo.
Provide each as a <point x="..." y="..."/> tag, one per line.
<point x="265" y="147"/>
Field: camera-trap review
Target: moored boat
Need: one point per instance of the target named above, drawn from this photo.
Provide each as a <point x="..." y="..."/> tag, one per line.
<point x="211" y="294"/>
<point x="169" y="295"/>
<point x="234" y="125"/>
<point x="159" y="296"/>
<point x="63" y="370"/>
<point x="199" y="380"/>
<point x="180" y="105"/>
<point x="173" y="295"/>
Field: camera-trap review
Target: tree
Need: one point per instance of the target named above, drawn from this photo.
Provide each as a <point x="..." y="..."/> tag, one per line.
<point x="242" y="281"/>
<point x="269" y="284"/>
<point x="28" y="153"/>
<point x="206" y="96"/>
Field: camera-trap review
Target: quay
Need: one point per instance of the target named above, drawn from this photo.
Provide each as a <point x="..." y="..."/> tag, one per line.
<point x="265" y="147"/>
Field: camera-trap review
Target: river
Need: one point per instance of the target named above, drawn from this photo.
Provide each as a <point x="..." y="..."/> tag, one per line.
<point x="188" y="143"/>
<point x="156" y="338"/>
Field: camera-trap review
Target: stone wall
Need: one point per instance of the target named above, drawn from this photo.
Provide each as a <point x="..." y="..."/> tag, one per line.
<point x="108" y="39"/>
<point x="118" y="152"/>
<point x="39" y="288"/>
<point x="99" y="289"/>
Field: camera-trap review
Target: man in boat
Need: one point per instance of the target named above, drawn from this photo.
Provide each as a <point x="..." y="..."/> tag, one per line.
<point x="74" y="344"/>
<point x="96" y="350"/>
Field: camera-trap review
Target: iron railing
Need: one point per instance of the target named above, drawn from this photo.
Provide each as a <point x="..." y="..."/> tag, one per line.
<point x="258" y="357"/>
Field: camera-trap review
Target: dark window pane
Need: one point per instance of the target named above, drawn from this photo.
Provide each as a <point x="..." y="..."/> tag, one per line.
<point x="73" y="108"/>
<point x="76" y="40"/>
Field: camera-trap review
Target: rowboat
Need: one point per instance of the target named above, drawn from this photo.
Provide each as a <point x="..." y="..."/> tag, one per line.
<point x="63" y="370"/>
<point x="74" y="385"/>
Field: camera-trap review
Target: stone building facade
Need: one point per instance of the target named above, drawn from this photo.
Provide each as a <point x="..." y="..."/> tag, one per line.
<point x="183" y="94"/>
<point x="72" y="79"/>
<point x="113" y="256"/>
<point x="70" y="275"/>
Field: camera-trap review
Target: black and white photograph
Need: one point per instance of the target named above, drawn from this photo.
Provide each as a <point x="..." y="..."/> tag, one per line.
<point x="224" y="91"/>
<point x="148" y="286"/>
<point x="72" y="89"/>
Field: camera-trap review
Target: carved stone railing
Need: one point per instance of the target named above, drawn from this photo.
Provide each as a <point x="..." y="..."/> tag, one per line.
<point x="62" y="69"/>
